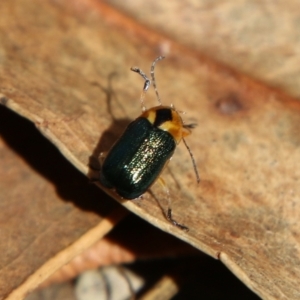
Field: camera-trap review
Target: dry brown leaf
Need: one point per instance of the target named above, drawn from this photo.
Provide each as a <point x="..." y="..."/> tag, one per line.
<point x="245" y="210"/>
<point x="121" y="246"/>
<point x="42" y="214"/>
<point x="260" y="38"/>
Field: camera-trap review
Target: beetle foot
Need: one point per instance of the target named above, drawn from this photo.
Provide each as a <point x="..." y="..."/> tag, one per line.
<point x="174" y="222"/>
<point x="93" y="180"/>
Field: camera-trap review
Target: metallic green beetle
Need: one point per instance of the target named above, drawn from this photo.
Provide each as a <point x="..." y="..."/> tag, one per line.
<point x="138" y="157"/>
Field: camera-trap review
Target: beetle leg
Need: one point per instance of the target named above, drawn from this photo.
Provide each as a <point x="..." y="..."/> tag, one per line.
<point x="93" y="180"/>
<point x="102" y="157"/>
<point x="190" y="126"/>
<point x="169" y="210"/>
<point x="174" y="222"/>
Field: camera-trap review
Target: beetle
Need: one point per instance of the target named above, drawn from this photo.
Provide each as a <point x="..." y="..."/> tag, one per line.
<point x="138" y="157"/>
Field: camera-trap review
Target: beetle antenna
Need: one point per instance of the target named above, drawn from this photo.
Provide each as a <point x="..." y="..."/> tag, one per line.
<point x="148" y="82"/>
<point x="153" y="78"/>
<point x="193" y="160"/>
<point x="146" y="85"/>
